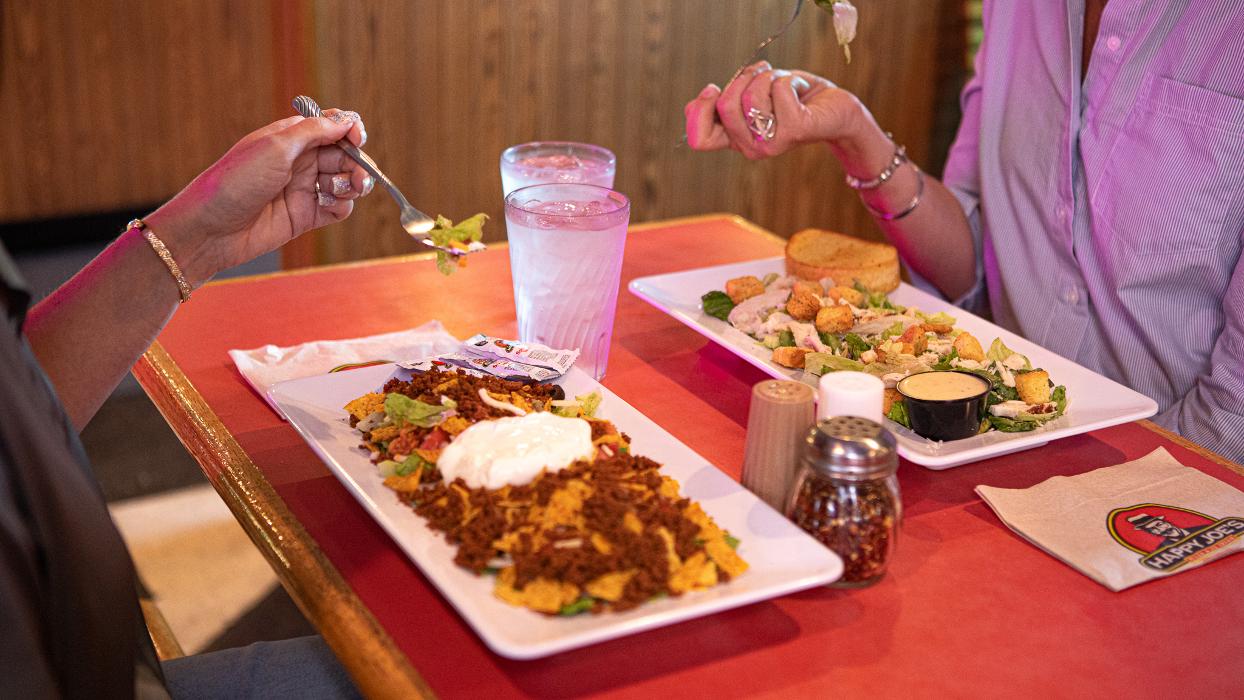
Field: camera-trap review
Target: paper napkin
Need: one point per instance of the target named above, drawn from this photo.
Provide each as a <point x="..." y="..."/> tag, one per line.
<point x="1130" y="523"/>
<point x="264" y="366"/>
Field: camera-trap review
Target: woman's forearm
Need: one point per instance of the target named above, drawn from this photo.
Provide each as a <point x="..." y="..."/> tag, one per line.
<point x="89" y="332"/>
<point x="935" y="239"/>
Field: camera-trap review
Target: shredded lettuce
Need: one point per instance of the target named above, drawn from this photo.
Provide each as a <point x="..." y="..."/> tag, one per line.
<point x="583" y="604"/>
<point x="717" y="304"/>
<point x="389" y="467"/>
<point x="786" y="339"/>
<point x="412" y="463"/>
<point x="732" y="541"/>
<point x="584" y="406"/>
<point x="402" y="409"/>
<point x="588" y="403"/>
<point x="769" y="278"/>
<point x="446" y="233"/>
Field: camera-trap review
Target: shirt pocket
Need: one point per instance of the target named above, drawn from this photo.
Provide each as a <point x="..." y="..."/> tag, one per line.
<point x="1173" y="181"/>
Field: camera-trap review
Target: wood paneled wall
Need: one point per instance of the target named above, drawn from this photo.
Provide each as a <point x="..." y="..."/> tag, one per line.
<point x="119" y="104"/>
<point x="446" y="86"/>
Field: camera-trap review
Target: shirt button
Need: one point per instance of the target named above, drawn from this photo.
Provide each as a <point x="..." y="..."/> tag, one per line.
<point x="1113" y="43"/>
<point x="1071" y="295"/>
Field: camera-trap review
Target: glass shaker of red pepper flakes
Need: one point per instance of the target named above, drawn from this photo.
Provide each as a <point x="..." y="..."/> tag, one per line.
<point x="846" y="495"/>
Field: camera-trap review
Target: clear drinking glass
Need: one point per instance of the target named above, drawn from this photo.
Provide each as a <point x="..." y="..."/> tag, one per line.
<point x="555" y="161"/>
<point x="566" y="243"/>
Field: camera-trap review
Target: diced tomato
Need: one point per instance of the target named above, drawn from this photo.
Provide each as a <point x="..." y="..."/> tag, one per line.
<point x="435" y="440"/>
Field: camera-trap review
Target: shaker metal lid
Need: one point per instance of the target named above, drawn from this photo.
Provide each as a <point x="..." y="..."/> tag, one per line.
<point x="851" y="446"/>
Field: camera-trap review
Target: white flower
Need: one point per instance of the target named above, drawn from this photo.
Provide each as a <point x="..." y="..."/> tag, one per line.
<point x="845" y="18"/>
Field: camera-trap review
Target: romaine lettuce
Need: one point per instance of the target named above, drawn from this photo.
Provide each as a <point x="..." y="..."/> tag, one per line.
<point x="402" y="409"/>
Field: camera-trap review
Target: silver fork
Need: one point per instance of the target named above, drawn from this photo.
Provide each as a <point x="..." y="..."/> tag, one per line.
<point x="756" y="54"/>
<point x="416" y="223"/>
<point x="764" y="44"/>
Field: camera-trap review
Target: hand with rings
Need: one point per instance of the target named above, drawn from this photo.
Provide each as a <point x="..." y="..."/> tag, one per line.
<point x="766" y="111"/>
<point x="277" y="182"/>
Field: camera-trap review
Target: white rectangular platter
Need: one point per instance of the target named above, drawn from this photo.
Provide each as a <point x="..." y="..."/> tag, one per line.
<point x="783" y="558"/>
<point x="1093" y="401"/>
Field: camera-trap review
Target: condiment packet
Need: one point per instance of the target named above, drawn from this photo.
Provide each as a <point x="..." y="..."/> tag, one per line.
<point x="532" y="354"/>
<point x="264" y="366"/>
<point x="479" y="366"/>
<point x="1127" y="524"/>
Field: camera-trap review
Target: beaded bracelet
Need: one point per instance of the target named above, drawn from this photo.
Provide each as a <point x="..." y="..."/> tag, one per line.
<point x="900" y="157"/>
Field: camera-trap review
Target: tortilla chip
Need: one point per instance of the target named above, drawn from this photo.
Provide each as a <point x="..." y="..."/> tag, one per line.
<point x="609" y="587"/>
<point x="724" y="556"/>
<point x="696" y="573"/>
<point x="542" y="594"/>
<point x="365" y="405"/>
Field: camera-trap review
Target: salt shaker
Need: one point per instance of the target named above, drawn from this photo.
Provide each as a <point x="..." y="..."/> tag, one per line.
<point x="849" y="394"/>
<point x="846" y="495"/>
<point x="778" y="420"/>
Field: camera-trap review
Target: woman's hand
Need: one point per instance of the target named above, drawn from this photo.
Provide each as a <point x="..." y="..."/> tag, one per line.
<point x="806" y="109"/>
<point x="262" y="193"/>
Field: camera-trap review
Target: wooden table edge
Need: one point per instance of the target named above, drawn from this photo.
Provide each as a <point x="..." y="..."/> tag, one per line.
<point x="367" y="652"/>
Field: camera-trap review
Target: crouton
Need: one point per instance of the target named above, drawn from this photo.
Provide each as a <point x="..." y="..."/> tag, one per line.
<point x="803" y="304"/>
<point x="742" y="288"/>
<point x="1033" y="387"/>
<point x="888" y="399"/>
<point x="811" y="286"/>
<point x="968" y="347"/>
<point x="851" y="296"/>
<point x="835" y="319"/>
<point x="938" y="328"/>
<point x="790" y="357"/>
<point x="915" y="338"/>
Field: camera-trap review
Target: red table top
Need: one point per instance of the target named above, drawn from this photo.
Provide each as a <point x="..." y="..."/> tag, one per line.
<point x="967" y="608"/>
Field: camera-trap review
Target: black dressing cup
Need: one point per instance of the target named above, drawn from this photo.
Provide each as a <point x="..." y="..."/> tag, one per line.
<point x="945" y="404"/>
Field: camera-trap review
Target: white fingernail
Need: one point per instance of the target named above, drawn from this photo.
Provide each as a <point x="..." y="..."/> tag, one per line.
<point x="368" y="183"/>
<point x="341" y="185"/>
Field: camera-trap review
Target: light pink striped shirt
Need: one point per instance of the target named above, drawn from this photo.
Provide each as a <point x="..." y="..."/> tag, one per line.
<point x="1109" y="214"/>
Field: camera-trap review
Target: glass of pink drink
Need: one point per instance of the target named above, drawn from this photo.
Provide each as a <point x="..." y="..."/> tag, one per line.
<point x="566" y="243"/>
<point x="556" y="161"/>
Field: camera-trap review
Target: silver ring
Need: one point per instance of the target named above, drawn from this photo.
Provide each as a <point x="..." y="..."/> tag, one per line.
<point x="763" y="125"/>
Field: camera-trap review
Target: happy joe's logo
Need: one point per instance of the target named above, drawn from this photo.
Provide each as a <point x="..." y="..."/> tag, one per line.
<point x="1168" y="537"/>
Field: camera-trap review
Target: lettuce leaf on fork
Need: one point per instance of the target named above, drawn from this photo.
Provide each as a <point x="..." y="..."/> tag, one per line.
<point x="447" y="234"/>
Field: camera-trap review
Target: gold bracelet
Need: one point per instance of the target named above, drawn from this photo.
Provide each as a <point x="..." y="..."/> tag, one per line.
<point x="183" y="287"/>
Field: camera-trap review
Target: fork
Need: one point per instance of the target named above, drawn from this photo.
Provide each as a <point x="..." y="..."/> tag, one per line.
<point x="756" y="54"/>
<point x="416" y="223"/>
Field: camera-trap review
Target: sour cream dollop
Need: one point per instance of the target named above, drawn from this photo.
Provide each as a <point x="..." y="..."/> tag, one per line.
<point x="512" y="451"/>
